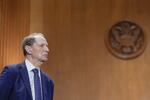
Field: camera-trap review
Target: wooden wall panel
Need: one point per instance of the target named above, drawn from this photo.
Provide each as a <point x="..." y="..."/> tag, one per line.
<point x="14" y="24"/>
<point x="36" y="16"/>
<point x="80" y="64"/>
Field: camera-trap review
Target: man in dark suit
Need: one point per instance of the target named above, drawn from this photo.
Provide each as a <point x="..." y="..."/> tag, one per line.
<point x="26" y="81"/>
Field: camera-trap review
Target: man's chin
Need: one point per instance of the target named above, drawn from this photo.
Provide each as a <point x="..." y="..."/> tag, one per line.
<point x="44" y="60"/>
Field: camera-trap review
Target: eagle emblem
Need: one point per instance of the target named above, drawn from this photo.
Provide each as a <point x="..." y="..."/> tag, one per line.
<point x="126" y="40"/>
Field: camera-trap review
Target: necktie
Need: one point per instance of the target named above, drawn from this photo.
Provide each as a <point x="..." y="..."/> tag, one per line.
<point x="37" y="85"/>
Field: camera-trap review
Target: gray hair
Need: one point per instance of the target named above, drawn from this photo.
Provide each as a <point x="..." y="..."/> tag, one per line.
<point x="29" y="40"/>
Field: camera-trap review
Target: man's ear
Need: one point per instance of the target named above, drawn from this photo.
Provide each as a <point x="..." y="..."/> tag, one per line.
<point x="28" y="49"/>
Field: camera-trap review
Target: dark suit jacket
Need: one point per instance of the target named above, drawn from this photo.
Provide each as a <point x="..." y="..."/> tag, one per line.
<point x="14" y="84"/>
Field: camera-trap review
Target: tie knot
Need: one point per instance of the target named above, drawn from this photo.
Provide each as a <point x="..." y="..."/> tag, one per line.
<point x="35" y="71"/>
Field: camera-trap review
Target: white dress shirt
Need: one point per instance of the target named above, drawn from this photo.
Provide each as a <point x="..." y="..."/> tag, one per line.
<point x="30" y="67"/>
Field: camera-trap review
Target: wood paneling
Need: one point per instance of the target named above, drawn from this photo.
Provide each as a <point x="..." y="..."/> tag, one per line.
<point x="80" y="64"/>
<point x="14" y="24"/>
<point x="36" y="16"/>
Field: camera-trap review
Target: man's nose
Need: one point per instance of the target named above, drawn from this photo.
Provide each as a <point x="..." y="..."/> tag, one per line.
<point x="47" y="49"/>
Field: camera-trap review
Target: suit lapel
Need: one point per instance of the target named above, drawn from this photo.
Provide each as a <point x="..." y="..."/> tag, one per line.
<point x="25" y="77"/>
<point x="43" y="86"/>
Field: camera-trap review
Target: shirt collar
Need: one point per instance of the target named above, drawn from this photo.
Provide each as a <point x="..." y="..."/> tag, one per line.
<point x="30" y="66"/>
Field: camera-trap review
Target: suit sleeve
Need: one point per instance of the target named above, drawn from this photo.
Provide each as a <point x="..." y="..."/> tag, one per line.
<point x="7" y="79"/>
<point x="52" y="89"/>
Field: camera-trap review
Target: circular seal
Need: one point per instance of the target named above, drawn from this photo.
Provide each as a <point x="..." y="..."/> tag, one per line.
<point x="126" y="40"/>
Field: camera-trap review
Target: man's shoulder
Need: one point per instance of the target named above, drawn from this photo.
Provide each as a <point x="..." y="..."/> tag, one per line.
<point x="48" y="77"/>
<point x="13" y="68"/>
<point x="10" y="72"/>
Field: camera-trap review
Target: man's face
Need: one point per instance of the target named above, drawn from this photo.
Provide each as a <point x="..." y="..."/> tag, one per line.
<point x="39" y="49"/>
